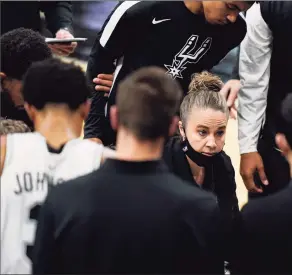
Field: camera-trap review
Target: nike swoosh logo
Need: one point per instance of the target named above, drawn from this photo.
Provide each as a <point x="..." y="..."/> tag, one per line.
<point x="159" y="21"/>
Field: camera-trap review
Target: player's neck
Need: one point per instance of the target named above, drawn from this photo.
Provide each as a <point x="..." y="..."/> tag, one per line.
<point x="130" y="149"/>
<point x="195" y="7"/>
<point x="58" y="128"/>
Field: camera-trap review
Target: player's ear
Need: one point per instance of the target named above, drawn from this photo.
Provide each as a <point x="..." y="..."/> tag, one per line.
<point x="85" y="108"/>
<point x="114" y="117"/>
<point x="30" y="110"/>
<point x="173" y="126"/>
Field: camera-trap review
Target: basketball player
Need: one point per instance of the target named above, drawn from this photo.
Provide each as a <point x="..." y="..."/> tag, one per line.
<point x="182" y="37"/>
<point x="19" y="49"/>
<point x="132" y="216"/>
<point x="266" y="239"/>
<point x="265" y="70"/>
<point x="55" y="96"/>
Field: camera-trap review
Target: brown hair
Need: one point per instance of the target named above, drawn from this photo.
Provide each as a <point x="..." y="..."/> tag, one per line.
<point x="9" y="126"/>
<point x="205" y="80"/>
<point x="147" y="100"/>
<point x="203" y="93"/>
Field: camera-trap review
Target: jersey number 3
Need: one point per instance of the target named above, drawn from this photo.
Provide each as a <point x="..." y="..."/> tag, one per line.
<point x="33" y="215"/>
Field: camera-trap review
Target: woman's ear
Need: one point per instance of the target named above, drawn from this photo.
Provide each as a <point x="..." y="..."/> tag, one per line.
<point x="181" y="130"/>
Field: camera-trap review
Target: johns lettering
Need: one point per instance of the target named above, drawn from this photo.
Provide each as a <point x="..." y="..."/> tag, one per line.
<point x="33" y="182"/>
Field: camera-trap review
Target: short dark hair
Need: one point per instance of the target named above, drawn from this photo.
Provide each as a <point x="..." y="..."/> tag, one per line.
<point x="53" y="81"/>
<point x="147" y="100"/>
<point x="9" y="126"/>
<point x="19" y="49"/>
<point x="286" y="124"/>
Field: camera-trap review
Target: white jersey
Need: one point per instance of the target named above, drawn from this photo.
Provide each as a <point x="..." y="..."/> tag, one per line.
<point x="29" y="171"/>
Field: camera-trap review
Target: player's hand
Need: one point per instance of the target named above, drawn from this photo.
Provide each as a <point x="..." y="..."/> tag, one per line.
<point x="104" y="83"/>
<point x="230" y="91"/>
<point x="249" y="164"/>
<point x="63" y="49"/>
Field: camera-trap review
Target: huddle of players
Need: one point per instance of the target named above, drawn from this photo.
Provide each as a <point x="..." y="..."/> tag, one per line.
<point x="131" y="215"/>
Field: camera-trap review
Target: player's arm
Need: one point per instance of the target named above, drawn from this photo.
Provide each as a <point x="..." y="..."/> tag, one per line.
<point x="119" y="31"/>
<point x="3" y="152"/>
<point x="254" y="71"/>
<point x="44" y="260"/>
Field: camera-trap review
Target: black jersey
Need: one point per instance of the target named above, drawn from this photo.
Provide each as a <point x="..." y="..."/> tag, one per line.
<point x="156" y="33"/>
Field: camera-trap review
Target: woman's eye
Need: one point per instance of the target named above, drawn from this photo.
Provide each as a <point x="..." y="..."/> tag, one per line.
<point x="220" y="133"/>
<point x="202" y="132"/>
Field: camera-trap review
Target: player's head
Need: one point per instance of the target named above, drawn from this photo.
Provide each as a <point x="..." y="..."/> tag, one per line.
<point x="284" y="137"/>
<point x="54" y="86"/>
<point x="9" y="126"/>
<point x="146" y="104"/>
<point x="19" y="49"/>
<point x="204" y="114"/>
<point x="224" y="12"/>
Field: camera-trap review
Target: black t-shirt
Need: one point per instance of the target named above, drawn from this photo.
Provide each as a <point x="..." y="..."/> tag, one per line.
<point x="154" y="33"/>
<point x="128" y="217"/>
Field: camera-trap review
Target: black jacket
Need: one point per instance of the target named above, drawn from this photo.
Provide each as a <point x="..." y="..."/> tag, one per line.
<point x="220" y="179"/>
<point x="26" y="14"/>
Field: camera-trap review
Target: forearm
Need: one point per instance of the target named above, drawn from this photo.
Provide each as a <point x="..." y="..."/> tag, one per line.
<point x="100" y="61"/>
<point x="95" y="122"/>
<point x="251" y="117"/>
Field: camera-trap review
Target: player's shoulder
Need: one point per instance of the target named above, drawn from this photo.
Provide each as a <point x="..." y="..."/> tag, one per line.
<point x="71" y="189"/>
<point x="240" y="24"/>
<point x="86" y="152"/>
<point x="189" y="194"/>
<point x="236" y="31"/>
<point x="91" y="144"/>
<point x="276" y="8"/>
<point x="84" y="145"/>
<point x="24" y="140"/>
<point x="266" y="206"/>
<point x="276" y="13"/>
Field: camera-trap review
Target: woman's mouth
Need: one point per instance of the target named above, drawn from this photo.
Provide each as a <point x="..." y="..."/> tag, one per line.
<point x="208" y="154"/>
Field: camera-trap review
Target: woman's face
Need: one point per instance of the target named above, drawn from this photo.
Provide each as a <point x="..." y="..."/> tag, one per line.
<point x="205" y="130"/>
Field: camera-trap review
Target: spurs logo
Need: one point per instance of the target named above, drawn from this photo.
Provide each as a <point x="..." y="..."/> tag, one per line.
<point x="188" y="54"/>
